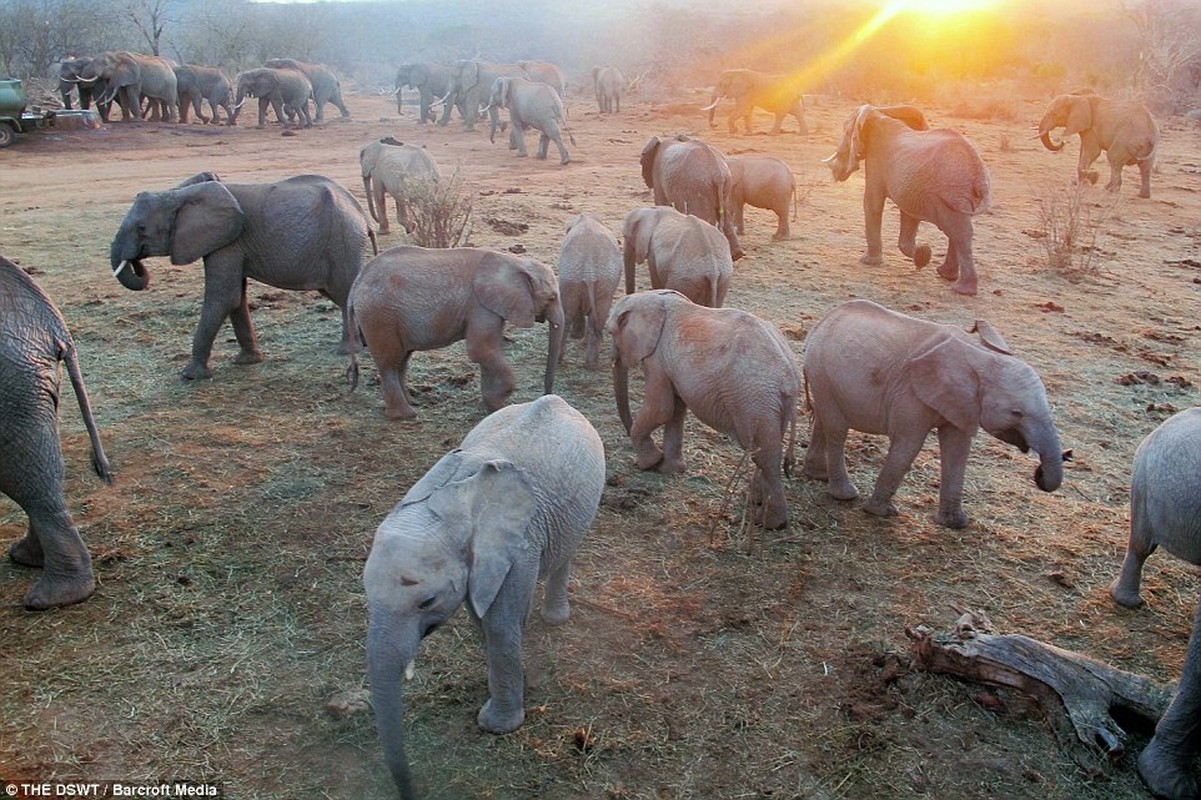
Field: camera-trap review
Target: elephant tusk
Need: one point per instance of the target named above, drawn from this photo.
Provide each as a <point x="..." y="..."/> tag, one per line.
<point x="120" y="267"/>
<point x="829" y="158"/>
<point x="712" y="105"/>
<point x="410" y="671"/>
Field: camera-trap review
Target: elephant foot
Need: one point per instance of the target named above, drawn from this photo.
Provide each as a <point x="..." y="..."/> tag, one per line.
<point x="843" y="491"/>
<point x="1145" y="194"/>
<point x="778" y="236"/>
<point x="495" y="721"/>
<point x="1091" y="176"/>
<point x="965" y="287"/>
<point x="952" y="519"/>
<point x="196" y="371"/>
<point x="52" y="591"/>
<point x="922" y="255"/>
<point x="384" y="230"/>
<point x="251" y="357"/>
<point x="556" y="615"/>
<point x="564" y="161"/>
<point x="773" y="515"/>
<point x="1166" y="776"/>
<point x="649" y="459"/>
<point x="27" y="552"/>
<point x="871" y="260"/>
<point x="402" y="412"/>
<point x="672" y="466"/>
<point x="1124" y="596"/>
<point x="880" y="508"/>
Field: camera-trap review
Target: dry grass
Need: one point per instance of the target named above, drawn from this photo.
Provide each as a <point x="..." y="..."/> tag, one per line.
<point x="440" y="212"/>
<point x="1071" y="222"/>
<point x="230" y="551"/>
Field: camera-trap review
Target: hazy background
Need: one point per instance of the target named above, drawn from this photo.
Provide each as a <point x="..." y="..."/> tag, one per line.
<point x="1149" y="48"/>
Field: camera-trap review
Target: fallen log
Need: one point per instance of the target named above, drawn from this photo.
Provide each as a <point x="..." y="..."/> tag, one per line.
<point x="1077" y="695"/>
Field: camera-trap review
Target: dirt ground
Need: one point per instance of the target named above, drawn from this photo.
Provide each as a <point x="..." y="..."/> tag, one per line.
<point x="226" y="639"/>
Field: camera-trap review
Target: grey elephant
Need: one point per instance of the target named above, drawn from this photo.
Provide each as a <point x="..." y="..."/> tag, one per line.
<point x="472" y="84"/>
<point x="303" y="233"/>
<point x="931" y="175"/>
<point x="490" y="519"/>
<point x="1165" y="504"/>
<point x="874" y="370"/>
<point x="199" y="84"/>
<point x="589" y="271"/>
<point x="682" y="252"/>
<point x="694" y="178"/>
<point x="1126" y="131"/>
<point x="548" y="73"/>
<point x="762" y="182"/>
<point x="432" y="81"/>
<point x="412" y="298"/>
<point x="393" y="168"/>
<point x="132" y="76"/>
<point x="776" y="94"/>
<point x="531" y="105"/>
<point x="33" y="340"/>
<point x="733" y="370"/>
<point x="608" y="83"/>
<point x="287" y="91"/>
<point x="69" y="80"/>
<point x="326" y="86"/>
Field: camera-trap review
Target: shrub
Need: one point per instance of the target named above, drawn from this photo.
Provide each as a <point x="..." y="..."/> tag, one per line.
<point x="440" y="212"/>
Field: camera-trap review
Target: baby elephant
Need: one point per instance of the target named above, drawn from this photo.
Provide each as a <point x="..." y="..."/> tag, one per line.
<point x="762" y="182"/>
<point x="683" y="252"/>
<point x="589" y="271"/>
<point x="397" y="169"/>
<point x="33" y="340"/>
<point x="874" y="370"/>
<point x="412" y="298"/>
<point x="531" y="105"/>
<point x="506" y="508"/>
<point x="733" y="370"/>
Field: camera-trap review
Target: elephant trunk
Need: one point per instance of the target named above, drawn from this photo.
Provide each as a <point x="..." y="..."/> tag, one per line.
<point x="370" y="198"/>
<point x="1045" y="126"/>
<point x="621" y="392"/>
<point x="1049" y="473"/>
<point x="127" y="268"/>
<point x="554" y="351"/>
<point x="386" y="663"/>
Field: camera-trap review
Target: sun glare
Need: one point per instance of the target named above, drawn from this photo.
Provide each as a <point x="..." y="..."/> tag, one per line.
<point x="938" y="8"/>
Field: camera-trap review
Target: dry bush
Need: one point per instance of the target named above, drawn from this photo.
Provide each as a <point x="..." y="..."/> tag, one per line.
<point x="440" y="212"/>
<point x="1068" y="228"/>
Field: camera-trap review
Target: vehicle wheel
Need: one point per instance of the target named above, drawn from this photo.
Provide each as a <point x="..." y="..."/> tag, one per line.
<point x="8" y="134"/>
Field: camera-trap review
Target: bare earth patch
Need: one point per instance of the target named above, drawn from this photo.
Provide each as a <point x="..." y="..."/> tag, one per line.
<point x="226" y="638"/>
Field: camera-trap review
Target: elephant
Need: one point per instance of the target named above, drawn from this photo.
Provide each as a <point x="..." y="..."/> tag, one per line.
<point x="305" y="233"/>
<point x="431" y="81"/>
<point x="198" y="84"/>
<point x="326" y="86"/>
<point x="1165" y="505"/>
<point x="589" y="270"/>
<point x="692" y="176"/>
<point x="932" y="175"/>
<point x="489" y="519"/>
<point x="132" y="76"/>
<point x="531" y="105"/>
<point x="608" y="83"/>
<point x="763" y="182"/>
<point x="682" y="253"/>
<point x="472" y="83"/>
<point x="775" y="94"/>
<point x="398" y="169"/>
<point x="411" y="298"/>
<point x="1126" y="131"/>
<point x="285" y="90"/>
<point x="548" y="73"/>
<point x="33" y="340"/>
<point x="1166" y="763"/>
<point x="733" y="370"/>
<point x="874" y="370"/>
<point x="69" y="79"/>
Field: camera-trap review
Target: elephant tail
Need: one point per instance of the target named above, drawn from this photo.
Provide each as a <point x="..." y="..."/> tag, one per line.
<point x="790" y="453"/>
<point x="352" y="370"/>
<point x="375" y="241"/>
<point x="99" y="462"/>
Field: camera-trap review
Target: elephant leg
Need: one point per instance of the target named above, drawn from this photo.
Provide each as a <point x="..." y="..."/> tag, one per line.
<point x="954" y="446"/>
<point x="553" y="134"/>
<point x="392" y="368"/>
<point x="838" y="482"/>
<point x="657" y="409"/>
<point x="1167" y="762"/>
<point x="737" y="209"/>
<point x="1141" y="544"/>
<point x="902" y="450"/>
<point x="814" y="467"/>
<point x="1144" y="172"/>
<point x="484" y="348"/>
<point x="239" y="317"/>
<point x="1089" y="151"/>
<point x="959" y="262"/>
<point x="504" y="711"/>
<point x="263" y="104"/>
<point x="27" y="551"/>
<point x="555" y="606"/>
<point x="777" y="126"/>
<point x="1116" y="162"/>
<point x="767" y="488"/>
<point x="782" y="230"/>
<point x="543" y="146"/>
<point x="52" y="541"/>
<point x="380" y="197"/>
<point x="673" y="439"/>
<point x="907" y="241"/>
<point x="594" y="333"/>
<point x="221" y="296"/>
<point x="873" y="213"/>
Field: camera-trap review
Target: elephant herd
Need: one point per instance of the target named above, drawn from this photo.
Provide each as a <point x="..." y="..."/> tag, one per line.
<point x="498" y="513"/>
<point x="170" y="91"/>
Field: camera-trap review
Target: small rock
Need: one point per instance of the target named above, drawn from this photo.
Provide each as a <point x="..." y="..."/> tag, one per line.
<point x="343" y="705"/>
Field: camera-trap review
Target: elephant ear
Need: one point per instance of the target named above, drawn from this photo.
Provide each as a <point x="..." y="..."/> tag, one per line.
<point x="1080" y="114"/>
<point x="990" y="337"/>
<point x="856" y="133"/>
<point x="647" y="160"/>
<point x="506" y="288"/>
<point x="945" y="379"/>
<point x="910" y="115"/>
<point x="126" y="73"/>
<point x="199" y="177"/>
<point x="637" y="330"/>
<point x="503" y="509"/>
<point x="419" y="74"/>
<point x="207" y="218"/>
<point x="741" y="83"/>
